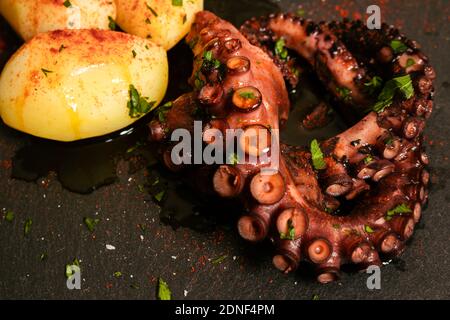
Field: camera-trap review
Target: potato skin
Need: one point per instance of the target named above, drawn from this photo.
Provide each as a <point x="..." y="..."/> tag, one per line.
<point x="166" y="24"/>
<point x="29" y="17"/>
<point x="74" y="84"/>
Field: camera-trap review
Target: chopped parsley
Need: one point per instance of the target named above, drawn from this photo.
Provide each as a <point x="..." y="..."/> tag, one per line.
<point x="117" y="274"/>
<point x="134" y="53"/>
<point x="151" y="9"/>
<point x="317" y="156"/>
<point x="368" y="159"/>
<point x="280" y="49"/>
<point x="9" y="216"/>
<point x="91" y="223"/>
<point x="386" y="97"/>
<point x="67" y="4"/>
<point x="209" y="62"/>
<point x="62" y="47"/>
<point x="177" y="3"/>
<point x="374" y="84"/>
<point x="147" y="21"/>
<point x="46" y="72"/>
<point x="233" y="159"/>
<point x="27" y="226"/>
<point x="368" y="229"/>
<point x="159" y="196"/>
<point x="290" y="235"/>
<point x="162" y="111"/>
<point x="402" y="208"/>
<point x="344" y="93"/>
<point x="247" y="95"/>
<point x="219" y="259"/>
<point x="112" y="23"/>
<point x="43" y="256"/>
<point x="315" y="297"/>
<point x="69" y="266"/>
<point x="410" y="62"/>
<point x="163" y="290"/>
<point x="138" y="105"/>
<point x="398" y="46"/>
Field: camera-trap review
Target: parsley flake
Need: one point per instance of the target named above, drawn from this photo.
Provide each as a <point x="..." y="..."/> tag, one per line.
<point x="368" y="229"/>
<point x="177" y="3"/>
<point x="112" y="23"/>
<point x="27" y="226"/>
<point x="398" y="46"/>
<point x="91" y="223"/>
<point x="386" y="97"/>
<point x="138" y="105"/>
<point x="46" y="72"/>
<point x="163" y="290"/>
<point x="317" y="156"/>
<point x="402" y="208"/>
<point x="9" y="216"/>
<point x="280" y="49"/>
<point x="67" y="4"/>
<point x="290" y="235"/>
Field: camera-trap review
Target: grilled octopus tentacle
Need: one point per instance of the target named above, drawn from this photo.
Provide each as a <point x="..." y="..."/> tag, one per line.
<point x="377" y="164"/>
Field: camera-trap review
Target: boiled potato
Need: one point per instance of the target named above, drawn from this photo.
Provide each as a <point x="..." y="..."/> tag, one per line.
<point x="164" y="21"/>
<point x="29" y="17"/>
<point x="74" y="84"/>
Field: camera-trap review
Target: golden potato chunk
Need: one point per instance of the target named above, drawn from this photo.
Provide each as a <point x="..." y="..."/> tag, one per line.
<point x="74" y="84"/>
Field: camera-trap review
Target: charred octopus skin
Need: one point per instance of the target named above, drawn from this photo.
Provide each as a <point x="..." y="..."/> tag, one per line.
<point x="376" y="167"/>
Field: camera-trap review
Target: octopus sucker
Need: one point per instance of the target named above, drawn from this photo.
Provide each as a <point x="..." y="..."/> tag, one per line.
<point x="363" y="202"/>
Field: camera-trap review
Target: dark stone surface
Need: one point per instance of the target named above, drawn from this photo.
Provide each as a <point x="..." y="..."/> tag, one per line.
<point x="181" y="256"/>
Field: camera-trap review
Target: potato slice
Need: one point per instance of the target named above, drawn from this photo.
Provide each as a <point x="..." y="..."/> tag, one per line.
<point x="166" y="22"/>
<point x="30" y="17"/>
<point x="75" y="84"/>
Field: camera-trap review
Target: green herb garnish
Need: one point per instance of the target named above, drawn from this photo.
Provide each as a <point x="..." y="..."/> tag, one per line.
<point x="163" y="290"/>
<point x="67" y="4"/>
<point x="344" y="93"/>
<point x="159" y="196"/>
<point x="300" y="12"/>
<point x="386" y="97"/>
<point x="61" y="48"/>
<point x="368" y="159"/>
<point x="290" y="235"/>
<point x="368" y="229"/>
<point x="402" y="208"/>
<point x="162" y="111"/>
<point x="46" y="72"/>
<point x="117" y="274"/>
<point x="177" y="3"/>
<point x="316" y="297"/>
<point x="69" y="271"/>
<point x="138" y="105"/>
<point x="247" y="95"/>
<point x="112" y="23"/>
<point x="9" y="216"/>
<point x="91" y="223"/>
<point x="233" y="159"/>
<point x="151" y="9"/>
<point x="317" y="156"/>
<point x="374" y="84"/>
<point x="280" y="49"/>
<point x="219" y="259"/>
<point x="27" y="226"/>
<point x="209" y="62"/>
<point x="134" y="53"/>
<point x="43" y="256"/>
<point x="410" y="62"/>
<point x="398" y="46"/>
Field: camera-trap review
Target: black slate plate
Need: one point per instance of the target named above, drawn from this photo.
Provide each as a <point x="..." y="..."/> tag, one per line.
<point x="184" y="256"/>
